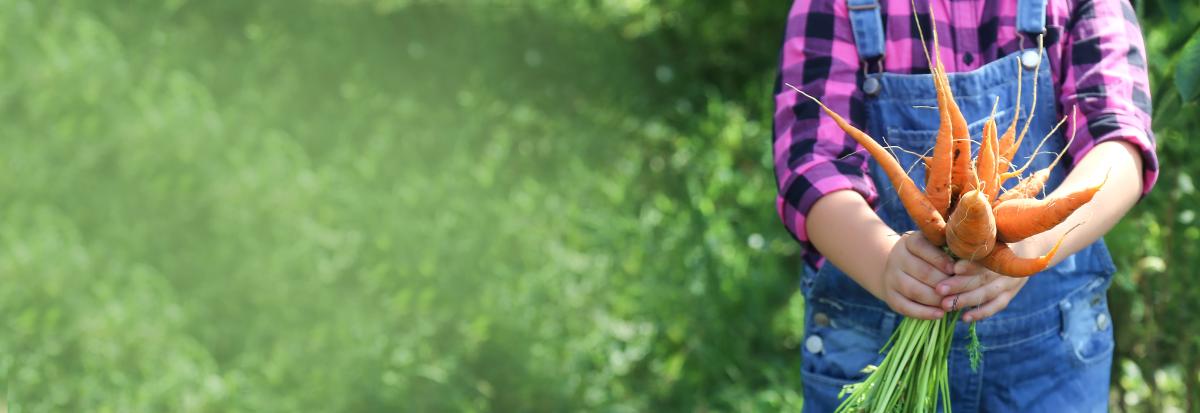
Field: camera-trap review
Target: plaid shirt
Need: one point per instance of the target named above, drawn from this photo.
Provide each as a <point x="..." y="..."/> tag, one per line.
<point x="1097" y="60"/>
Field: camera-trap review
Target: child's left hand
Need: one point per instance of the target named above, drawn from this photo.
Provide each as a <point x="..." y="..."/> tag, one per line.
<point x="974" y="285"/>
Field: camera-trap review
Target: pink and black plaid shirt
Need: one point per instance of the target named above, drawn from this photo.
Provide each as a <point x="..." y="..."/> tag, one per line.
<point x="1097" y="60"/>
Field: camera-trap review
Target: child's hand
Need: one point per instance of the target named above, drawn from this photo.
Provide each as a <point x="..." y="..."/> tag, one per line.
<point x="974" y="285"/>
<point x="914" y="267"/>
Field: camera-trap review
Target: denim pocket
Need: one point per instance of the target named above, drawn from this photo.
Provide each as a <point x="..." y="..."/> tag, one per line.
<point x="841" y="339"/>
<point x="1087" y="324"/>
<point x="925" y="129"/>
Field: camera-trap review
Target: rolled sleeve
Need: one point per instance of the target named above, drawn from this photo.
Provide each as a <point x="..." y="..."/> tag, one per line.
<point x="813" y="156"/>
<point x="1106" y="80"/>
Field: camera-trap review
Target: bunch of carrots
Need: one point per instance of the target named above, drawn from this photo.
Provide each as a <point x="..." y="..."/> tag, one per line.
<point x="963" y="210"/>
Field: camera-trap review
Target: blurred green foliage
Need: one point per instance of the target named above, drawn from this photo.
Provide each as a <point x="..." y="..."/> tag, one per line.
<point x="416" y="205"/>
<point x="1157" y="246"/>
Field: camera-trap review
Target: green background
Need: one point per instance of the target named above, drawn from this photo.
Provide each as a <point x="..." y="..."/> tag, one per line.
<point x="468" y="205"/>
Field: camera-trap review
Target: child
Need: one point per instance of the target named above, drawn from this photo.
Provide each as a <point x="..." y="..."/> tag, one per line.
<point x="1048" y="343"/>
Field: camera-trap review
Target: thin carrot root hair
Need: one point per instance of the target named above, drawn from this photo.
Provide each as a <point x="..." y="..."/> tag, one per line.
<point x="921" y="32"/>
<point x="1067" y="147"/>
<point x="1007" y="149"/>
<point x="1009" y="175"/>
<point x="1033" y="105"/>
<point x="1034" y="184"/>
<point x="920" y="156"/>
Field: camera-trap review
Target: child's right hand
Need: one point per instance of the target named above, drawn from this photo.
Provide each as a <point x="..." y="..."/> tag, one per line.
<point x="914" y="267"/>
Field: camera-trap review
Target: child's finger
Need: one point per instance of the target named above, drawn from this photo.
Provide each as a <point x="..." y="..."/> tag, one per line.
<point x="989" y="308"/>
<point x="915" y="290"/>
<point x="986" y="292"/>
<point x="959" y="284"/>
<point x="964" y="267"/>
<point x="909" y="308"/>
<point x="919" y="246"/>
<point x="923" y="272"/>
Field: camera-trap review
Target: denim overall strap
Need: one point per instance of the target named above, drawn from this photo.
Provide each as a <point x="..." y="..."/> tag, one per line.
<point x="1031" y="16"/>
<point x="868" y="28"/>
<point x="867" y="22"/>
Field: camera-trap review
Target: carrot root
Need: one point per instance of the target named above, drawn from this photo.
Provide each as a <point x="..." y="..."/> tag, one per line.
<point x="1018" y="219"/>
<point x="1004" y="261"/>
<point x="923" y="213"/>
<point x="971" y="231"/>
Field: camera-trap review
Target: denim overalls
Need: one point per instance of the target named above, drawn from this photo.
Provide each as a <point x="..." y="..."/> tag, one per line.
<point x="1051" y="349"/>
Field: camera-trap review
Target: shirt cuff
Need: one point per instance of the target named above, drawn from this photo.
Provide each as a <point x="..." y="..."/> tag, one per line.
<point x="1124" y="128"/>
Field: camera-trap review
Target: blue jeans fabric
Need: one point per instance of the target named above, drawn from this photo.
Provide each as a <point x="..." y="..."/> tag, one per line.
<point x="1050" y="350"/>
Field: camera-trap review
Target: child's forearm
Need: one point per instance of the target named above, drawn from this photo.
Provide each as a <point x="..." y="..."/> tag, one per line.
<point x="851" y="236"/>
<point x="1123" y="164"/>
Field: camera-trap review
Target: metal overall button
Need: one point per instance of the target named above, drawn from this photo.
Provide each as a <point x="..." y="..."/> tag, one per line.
<point x="1101" y="321"/>
<point x="1030" y="59"/>
<point x="871" y="86"/>
<point x="814" y="344"/>
<point x="821" y="320"/>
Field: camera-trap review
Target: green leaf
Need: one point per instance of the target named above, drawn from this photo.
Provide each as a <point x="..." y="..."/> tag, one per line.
<point x="974" y="349"/>
<point x="1187" y="72"/>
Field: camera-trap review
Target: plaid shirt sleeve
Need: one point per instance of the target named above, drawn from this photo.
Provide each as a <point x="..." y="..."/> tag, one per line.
<point x="813" y="156"/>
<point x="1104" y="75"/>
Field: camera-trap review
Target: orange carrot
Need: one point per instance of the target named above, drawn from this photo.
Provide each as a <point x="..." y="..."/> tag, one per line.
<point x="1004" y="261"/>
<point x="961" y="179"/>
<point x="971" y="231"/>
<point x="987" y="161"/>
<point x="923" y="213"/>
<point x="937" y="182"/>
<point x="962" y="171"/>
<point x="937" y="166"/>
<point x="927" y="160"/>
<point x="1018" y="219"/>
